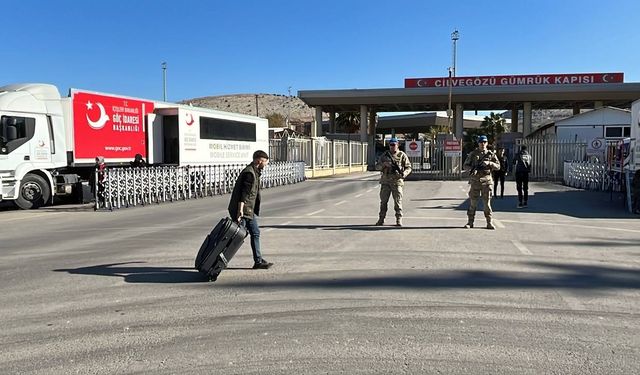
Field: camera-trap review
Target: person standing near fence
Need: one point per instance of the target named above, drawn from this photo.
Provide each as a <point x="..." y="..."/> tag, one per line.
<point x="498" y="176"/>
<point x="394" y="166"/>
<point x="480" y="163"/>
<point x="522" y="163"/>
<point x="244" y="205"/>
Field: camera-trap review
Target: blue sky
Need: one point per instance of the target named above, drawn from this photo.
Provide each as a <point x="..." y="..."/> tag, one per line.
<point x="246" y="46"/>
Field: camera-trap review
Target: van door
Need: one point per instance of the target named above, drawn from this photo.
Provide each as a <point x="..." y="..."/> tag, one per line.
<point x="171" y="141"/>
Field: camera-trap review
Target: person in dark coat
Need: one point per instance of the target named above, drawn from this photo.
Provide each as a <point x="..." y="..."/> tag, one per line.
<point x="522" y="162"/>
<point x="244" y="206"/>
<point x="498" y="176"/>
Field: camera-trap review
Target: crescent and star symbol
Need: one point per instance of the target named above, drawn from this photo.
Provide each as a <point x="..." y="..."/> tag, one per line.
<point x="605" y="78"/>
<point x="101" y="121"/>
<point x="189" y="119"/>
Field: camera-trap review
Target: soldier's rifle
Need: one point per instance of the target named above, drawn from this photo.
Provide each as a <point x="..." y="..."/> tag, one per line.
<point x="394" y="166"/>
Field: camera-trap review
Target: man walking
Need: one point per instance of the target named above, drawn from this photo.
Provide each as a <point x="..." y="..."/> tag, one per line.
<point x="394" y="166"/>
<point x="522" y="163"/>
<point x="480" y="163"/>
<point x="244" y="206"/>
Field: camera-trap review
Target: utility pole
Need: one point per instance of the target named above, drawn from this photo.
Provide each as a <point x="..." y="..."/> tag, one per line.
<point x="449" y="110"/>
<point x="257" y="105"/>
<point x="164" y="81"/>
<point x="288" y="108"/>
<point x="455" y="35"/>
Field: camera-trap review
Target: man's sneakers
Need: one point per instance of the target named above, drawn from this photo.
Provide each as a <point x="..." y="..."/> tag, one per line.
<point x="525" y="205"/>
<point x="380" y="222"/>
<point x="520" y="205"/>
<point x="468" y="226"/>
<point x="262" y="265"/>
<point x="399" y="222"/>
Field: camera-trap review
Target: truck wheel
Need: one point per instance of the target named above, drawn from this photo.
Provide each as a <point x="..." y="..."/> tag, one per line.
<point x="34" y="192"/>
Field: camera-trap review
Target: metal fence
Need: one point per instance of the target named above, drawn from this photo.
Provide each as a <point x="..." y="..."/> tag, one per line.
<point x="125" y="187"/>
<point x="549" y="155"/>
<point x="319" y="153"/>
<point x="592" y="176"/>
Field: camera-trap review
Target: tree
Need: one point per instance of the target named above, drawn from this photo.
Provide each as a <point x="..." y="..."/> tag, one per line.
<point x="276" y="120"/>
<point x="348" y="122"/>
<point x="492" y="126"/>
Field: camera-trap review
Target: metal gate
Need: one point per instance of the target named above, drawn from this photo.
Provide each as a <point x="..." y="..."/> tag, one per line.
<point x="436" y="162"/>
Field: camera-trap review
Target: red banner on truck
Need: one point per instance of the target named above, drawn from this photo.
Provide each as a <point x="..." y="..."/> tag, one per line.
<point x="109" y="126"/>
<point x="517" y="80"/>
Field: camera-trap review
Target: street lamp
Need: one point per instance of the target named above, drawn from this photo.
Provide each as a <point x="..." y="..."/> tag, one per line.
<point x="455" y="35"/>
<point x="164" y="81"/>
<point x="449" y="110"/>
<point x="288" y="108"/>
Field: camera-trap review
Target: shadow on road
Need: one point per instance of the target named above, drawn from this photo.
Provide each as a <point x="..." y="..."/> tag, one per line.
<point x="361" y="227"/>
<point x="574" y="203"/>
<point x="141" y="274"/>
<point x="558" y="276"/>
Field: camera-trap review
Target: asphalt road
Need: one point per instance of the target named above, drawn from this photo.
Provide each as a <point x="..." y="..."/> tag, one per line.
<point x="554" y="290"/>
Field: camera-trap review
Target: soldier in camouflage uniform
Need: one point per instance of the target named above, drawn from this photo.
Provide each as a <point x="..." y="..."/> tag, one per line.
<point x="395" y="166"/>
<point x="480" y="163"/>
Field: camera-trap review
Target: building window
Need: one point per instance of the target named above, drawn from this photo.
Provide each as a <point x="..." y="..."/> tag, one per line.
<point x="617" y="131"/>
<point x="229" y="130"/>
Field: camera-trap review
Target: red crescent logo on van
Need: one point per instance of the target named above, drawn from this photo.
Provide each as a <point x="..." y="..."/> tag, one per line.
<point x="190" y="119"/>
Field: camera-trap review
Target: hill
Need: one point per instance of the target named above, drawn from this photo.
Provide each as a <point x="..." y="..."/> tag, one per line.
<point x="268" y="104"/>
<point x="299" y="112"/>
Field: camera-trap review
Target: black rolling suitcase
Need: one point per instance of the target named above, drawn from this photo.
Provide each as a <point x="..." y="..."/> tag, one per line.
<point x="219" y="247"/>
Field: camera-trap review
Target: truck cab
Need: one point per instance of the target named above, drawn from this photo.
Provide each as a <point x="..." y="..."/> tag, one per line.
<point x="32" y="142"/>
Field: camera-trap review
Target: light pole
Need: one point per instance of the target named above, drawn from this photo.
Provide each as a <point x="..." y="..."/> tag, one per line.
<point x="455" y="35"/>
<point x="164" y="81"/>
<point x="449" y="110"/>
<point x="288" y="108"/>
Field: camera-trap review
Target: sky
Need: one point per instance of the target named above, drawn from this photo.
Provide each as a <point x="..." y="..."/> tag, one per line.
<point x="267" y="46"/>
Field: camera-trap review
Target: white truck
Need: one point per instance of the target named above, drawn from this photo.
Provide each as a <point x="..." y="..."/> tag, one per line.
<point x="49" y="144"/>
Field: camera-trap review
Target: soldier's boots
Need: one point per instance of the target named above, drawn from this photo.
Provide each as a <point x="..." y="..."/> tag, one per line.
<point x="380" y="222"/>
<point x="490" y="225"/>
<point x="468" y="225"/>
<point x="398" y="222"/>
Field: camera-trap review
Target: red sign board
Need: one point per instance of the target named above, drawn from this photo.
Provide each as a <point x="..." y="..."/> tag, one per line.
<point x="517" y="80"/>
<point x="413" y="146"/>
<point x="109" y="126"/>
<point x="452" y="146"/>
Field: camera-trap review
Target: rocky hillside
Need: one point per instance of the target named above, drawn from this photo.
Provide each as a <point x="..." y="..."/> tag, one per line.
<point x="541" y="117"/>
<point x="299" y="112"/>
<point x="268" y="104"/>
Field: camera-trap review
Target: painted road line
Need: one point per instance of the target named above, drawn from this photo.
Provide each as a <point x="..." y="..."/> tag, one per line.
<point x="359" y="195"/>
<point x="28" y="216"/>
<point x="498" y="223"/>
<point x="369" y="191"/>
<point x="598" y="228"/>
<point x="283" y="225"/>
<point x="520" y="246"/>
<point x="339" y="203"/>
<point x="315" y="212"/>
